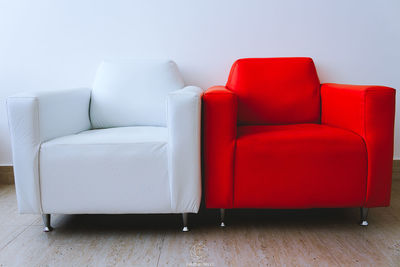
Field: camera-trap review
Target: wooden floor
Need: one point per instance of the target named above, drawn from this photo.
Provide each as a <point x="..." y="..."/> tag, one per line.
<point x="319" y="237"/>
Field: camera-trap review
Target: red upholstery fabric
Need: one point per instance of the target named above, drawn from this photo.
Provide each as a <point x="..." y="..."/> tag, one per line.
<point x="264" y="146"/>
<point x="219" y="129"/>
<point x="368" y="111"/>
<point x="299" y="166"/>
<point x="276" y="90"/>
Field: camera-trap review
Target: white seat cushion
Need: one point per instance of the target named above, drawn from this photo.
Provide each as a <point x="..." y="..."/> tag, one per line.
<point x="116" y="170"/>
<point x="133" y="93"/>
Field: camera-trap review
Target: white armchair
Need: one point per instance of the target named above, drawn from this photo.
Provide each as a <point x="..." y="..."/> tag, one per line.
<point x="129" y="145"/>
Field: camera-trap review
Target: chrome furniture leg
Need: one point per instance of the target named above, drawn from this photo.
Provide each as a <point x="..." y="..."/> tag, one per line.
<point x="185" y="222"/>
<point x="222" y="211"/>
<point x="364" y="215"/>
<point x="46" y="222"/>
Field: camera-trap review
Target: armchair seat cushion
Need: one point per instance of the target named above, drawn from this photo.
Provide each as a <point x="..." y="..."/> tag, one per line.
<point x="115" y="170"/>
<point x="299" y="166"/>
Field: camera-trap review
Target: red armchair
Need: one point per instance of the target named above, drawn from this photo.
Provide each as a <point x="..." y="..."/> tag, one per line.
<point x="275" y="138"/>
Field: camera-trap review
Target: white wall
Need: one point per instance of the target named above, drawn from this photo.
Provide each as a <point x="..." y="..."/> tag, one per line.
<point x="58" y="44"/>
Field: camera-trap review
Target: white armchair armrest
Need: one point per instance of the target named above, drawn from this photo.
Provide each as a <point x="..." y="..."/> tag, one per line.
<point x="33" y="119"/>
<point x="184" y="130"/>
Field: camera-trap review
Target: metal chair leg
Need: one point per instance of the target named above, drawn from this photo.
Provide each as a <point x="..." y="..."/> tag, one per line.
<point x="364" y="215"/>
<point x="185" y="222"/>
<point x="46" y="222"/>
<point x="222" y="211"/>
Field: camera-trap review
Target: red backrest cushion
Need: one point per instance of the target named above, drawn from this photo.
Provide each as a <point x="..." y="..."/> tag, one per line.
<point x="276" y="90"/>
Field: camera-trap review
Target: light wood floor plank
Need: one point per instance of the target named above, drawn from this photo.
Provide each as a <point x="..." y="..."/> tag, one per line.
<point x="318" y="237"/>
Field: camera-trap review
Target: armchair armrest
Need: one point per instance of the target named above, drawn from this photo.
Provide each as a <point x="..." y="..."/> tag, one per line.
<point x="368" y="111"/>
<point x="184" y="148"/>
<point x="220" y="132"/>
<point x="33" y="119"/>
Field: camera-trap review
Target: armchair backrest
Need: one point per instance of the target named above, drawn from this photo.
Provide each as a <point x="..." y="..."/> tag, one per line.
<point x="133" y="93"/>
<point x="276" y="90"/>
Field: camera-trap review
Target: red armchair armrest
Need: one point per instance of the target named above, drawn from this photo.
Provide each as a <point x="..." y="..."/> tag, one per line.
<point x="220" y="127"/>
<point x="368" y="111"/>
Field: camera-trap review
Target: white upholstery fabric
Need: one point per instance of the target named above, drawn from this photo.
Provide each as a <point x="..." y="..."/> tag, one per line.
<point x="33" y="119"/>
<point x="184" y="128"/>
<point x="116" y="170"/>
<point x="152" y="165"/>
<point x="133" y="93"/>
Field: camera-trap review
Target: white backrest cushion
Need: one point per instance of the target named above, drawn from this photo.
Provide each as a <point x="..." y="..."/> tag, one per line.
<point x="133" y="93"/>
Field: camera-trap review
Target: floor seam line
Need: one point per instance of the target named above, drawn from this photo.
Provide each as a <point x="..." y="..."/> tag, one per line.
<point x="26" y="227"/>
<point x="161" y="247"/>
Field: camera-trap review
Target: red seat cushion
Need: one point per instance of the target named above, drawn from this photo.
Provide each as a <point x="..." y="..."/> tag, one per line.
<point x="276" y="90"/>
<point x="299" y="166"/>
